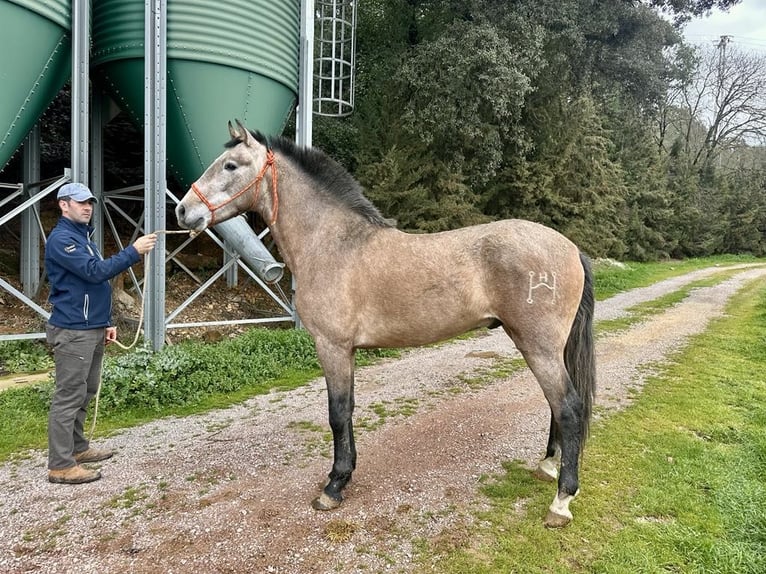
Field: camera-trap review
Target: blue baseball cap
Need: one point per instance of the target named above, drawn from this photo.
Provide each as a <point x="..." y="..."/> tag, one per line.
<point x="77" y="191"/>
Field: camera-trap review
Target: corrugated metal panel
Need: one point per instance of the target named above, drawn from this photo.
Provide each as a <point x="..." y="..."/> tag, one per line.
<point x="58" y="11"/>
<point x="257" y="36"/>
<point x="35" y="59"/>
<point x="117" y="30"/>
<point x="233" y="59"/>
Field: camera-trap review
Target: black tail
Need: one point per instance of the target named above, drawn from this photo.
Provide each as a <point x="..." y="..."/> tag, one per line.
<point x="579" y="353"/>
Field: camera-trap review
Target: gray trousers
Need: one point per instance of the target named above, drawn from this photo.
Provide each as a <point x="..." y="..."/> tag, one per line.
<point x="78" y="356"/>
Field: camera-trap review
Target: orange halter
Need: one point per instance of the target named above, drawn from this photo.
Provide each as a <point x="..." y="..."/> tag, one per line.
<point x="270" y="162"/>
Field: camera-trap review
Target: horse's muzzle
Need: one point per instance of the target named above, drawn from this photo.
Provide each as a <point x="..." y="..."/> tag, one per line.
<point x="184" y="221"/>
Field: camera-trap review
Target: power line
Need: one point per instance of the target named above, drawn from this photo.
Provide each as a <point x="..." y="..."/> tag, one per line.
<point x="739" y="41"/>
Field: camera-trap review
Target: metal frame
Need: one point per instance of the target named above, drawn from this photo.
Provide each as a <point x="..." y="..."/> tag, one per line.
<point x="30" y="273"/>
<point x="80" y="149"/>
<point x="87" y="127"/>
<point x="112" y="209"/>
<point x="30" y="234"/>
<point x="155" y="166"/>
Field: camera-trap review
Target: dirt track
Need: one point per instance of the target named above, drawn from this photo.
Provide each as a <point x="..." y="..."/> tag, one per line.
<point x="229" y="491"/>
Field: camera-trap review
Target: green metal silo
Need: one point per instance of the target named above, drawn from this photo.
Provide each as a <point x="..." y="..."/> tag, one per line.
<point x="35" y="61"/>
<point x="225" y="60"/>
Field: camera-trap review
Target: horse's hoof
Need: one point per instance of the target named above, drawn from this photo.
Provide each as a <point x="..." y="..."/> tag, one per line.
<point x="325" y="502"/>
<point x="553" y="520"/>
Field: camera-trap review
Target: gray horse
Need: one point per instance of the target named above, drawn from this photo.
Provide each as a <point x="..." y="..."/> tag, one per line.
<point x="362" y="283"/>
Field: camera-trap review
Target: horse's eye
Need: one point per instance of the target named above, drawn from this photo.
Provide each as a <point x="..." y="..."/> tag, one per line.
<point x="230" y="166"/>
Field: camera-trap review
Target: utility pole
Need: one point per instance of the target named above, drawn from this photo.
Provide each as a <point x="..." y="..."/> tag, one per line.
<point x="722" y="43"/>
<point x="719" y="96"/>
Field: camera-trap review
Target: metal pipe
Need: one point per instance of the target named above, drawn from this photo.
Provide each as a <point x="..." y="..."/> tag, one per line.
<point x="30" y="237"/>
<point x="32" y="200"/>
<point x="80" y="88"/>
<point x="242" y="238"/>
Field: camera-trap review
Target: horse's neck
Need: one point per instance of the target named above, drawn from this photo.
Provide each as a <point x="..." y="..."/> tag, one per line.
<point x="297" y="229"/>
<point x="311" y="232"/>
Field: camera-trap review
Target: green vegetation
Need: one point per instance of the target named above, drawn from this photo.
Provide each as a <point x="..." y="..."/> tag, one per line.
<point x="187" y="373"/>
<point x="612" y="279"/>
<point x="582" y="120"/>
<point x="129" y="498"/>
<point x="674" y="483"/>
<point x="400" y="407"/>
<point x="315" y="437"/>
<point x="24" y="356"/>
<point x="179" y="380"/>
<point x="500" y="368"/>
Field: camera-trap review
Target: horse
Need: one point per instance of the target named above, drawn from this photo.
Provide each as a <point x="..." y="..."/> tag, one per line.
<point x="362" y="283"/>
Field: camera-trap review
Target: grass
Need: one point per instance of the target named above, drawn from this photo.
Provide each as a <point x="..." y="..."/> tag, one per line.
<point x="674" y="483"/>
<point x="380" y="412"/>
<point x="611" y="279"/>
<point x="641" y="311"/>
<point x="500" y="368"/>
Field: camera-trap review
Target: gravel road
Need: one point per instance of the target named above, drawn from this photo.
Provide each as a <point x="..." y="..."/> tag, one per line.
<point x="229" y="491"/>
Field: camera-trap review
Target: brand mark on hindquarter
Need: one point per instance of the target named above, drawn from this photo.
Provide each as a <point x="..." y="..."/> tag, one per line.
<point x="542" y="281"/>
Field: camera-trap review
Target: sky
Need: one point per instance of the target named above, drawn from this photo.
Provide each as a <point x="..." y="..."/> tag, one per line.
<point x="745" y="23"/>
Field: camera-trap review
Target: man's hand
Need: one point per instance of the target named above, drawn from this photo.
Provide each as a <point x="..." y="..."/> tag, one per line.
<point x="111" y="335"/>
<point x="145" y="243"/>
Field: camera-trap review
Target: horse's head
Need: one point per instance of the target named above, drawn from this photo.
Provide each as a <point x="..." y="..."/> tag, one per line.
<point x="232" y="184"/>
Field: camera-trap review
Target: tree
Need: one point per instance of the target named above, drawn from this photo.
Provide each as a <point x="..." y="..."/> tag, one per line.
<point x="683" y="10"/>
<point x="544" y="109"/>
<point x="420" y="191"/>
<point x="464" y="93"/>
<point x="723" y="105"/>
<point x="568" y="182"/>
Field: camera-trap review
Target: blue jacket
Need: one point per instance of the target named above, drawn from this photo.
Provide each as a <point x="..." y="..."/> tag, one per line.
<point x="79" y="277"/>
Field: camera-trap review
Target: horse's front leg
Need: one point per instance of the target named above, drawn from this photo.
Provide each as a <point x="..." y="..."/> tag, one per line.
<point x="338" y="366"/>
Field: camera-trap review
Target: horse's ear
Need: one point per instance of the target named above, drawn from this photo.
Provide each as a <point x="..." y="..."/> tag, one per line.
<point x="244" y="133"/>
<point x="232" y="132"/>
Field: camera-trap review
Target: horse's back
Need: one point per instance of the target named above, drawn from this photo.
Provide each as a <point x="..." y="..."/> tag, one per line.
<point x="509" y="249"/>
<point x="526" y="275"/>
<point x="523" y="234"/>
<point x="526" y="246"/>
<point x="407" y="289"/>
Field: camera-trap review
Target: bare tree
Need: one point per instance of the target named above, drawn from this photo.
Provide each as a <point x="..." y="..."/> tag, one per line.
<point x="721" y="106"/>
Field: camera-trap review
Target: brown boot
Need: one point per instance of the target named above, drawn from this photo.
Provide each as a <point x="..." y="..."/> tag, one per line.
<point x="92" y="455"/>
<point x="73" y="475"/>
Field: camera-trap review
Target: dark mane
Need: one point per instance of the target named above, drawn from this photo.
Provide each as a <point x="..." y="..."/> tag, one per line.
<point x="331" y="177"/>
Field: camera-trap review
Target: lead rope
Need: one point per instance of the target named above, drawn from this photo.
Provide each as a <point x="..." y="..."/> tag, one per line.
<point x="135" y="338"/>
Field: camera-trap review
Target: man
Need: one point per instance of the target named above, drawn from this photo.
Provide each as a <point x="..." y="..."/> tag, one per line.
<point x="79" y="328"/>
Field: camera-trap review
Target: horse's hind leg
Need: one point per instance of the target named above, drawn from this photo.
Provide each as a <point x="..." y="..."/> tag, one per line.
<point x="338" y="366"/>
<point x="566" y="411"/>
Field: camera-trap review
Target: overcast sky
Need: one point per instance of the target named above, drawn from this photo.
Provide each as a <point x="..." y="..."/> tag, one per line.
<point x="745" y="23"/>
